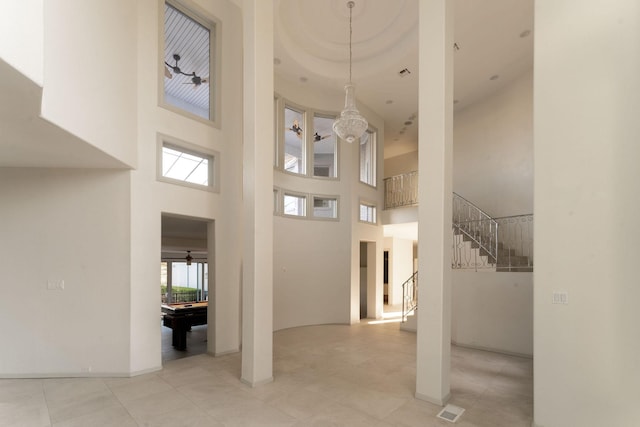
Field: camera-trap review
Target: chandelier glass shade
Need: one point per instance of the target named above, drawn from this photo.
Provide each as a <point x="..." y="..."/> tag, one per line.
<point x="350" y="125"/>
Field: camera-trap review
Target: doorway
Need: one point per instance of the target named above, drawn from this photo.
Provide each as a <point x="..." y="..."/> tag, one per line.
<point x="186" y="269"/>
<point x="368" y="295"/>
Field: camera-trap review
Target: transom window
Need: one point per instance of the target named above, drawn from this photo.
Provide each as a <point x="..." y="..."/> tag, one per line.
<point x="368" y="213"/>
<point x="188" y="53"/>
<point x="187" y="166"/>
<point x="184" y="166"/>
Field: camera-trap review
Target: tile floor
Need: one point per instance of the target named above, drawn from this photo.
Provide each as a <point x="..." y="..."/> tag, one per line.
<point x="333" y="375"/>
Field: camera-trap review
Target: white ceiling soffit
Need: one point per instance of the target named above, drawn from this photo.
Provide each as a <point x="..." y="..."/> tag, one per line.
<point x="28" y="140"/>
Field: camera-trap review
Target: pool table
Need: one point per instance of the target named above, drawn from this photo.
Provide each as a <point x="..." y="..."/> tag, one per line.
<point x="181" y="317"/>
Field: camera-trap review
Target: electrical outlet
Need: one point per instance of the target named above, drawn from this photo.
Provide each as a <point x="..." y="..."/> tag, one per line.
<point x="560" y="297"/>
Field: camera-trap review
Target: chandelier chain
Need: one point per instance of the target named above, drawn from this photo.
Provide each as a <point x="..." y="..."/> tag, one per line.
<point x="350" y="35"/>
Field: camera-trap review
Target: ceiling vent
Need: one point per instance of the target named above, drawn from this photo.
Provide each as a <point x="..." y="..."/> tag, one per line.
<point x="404" y="72"/>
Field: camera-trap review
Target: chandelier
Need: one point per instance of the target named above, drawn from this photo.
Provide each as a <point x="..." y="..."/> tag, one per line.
<point x="350" y="125"/>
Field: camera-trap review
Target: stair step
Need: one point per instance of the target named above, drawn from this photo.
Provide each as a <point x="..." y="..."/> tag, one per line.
<point x="513" y="260"/>
<point x="514" y="269"/>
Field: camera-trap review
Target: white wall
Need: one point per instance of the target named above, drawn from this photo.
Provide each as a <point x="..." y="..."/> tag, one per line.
<point x="317" y="263"/>
<point x="400" y="266"/>
<point x="587" y="98"/>
<point x="90" y="72"/>
<point x="493" y="311"/>
<point x="22" y="21"/>
<point x="493" y="151"/>
<point x="70" y="225"/>
<point x="399" y="165"/>
<point x="150" y="198"/>
<point x="310" y="273"/>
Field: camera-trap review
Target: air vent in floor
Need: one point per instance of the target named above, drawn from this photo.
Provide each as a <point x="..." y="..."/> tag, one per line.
<point x="451" y="413"/>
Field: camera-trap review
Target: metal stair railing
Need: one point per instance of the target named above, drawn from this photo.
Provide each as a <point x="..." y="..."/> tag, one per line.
<point x="515" y="249"/>
<point x="409" y="295"/>
<point x="476" y="226"/>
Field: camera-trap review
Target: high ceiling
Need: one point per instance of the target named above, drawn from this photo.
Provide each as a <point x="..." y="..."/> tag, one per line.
<point x="494" y="41"/>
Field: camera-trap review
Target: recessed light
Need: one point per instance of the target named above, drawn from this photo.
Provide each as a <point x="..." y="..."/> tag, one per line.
<point x="494" y="77"/>
<point x="525" y="33"/>
<point x="276" y="61"/>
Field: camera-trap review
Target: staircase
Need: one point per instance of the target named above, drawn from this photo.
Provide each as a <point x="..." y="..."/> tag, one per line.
<point x="484" y="243"/>
<point x="480" y="242"/>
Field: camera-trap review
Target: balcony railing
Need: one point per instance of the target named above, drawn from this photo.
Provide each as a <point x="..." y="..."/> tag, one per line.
<point x="401" y="190"/>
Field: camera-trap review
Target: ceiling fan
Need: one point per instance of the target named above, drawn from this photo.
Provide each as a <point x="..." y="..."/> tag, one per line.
<point x="295" y="128"/>
<point x="195" y="79"/>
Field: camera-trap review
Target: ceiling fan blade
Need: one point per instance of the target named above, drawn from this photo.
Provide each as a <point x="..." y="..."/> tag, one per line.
<point x="167" y="73"/>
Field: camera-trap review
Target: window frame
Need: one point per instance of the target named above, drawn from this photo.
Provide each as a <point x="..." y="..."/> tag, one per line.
<point x="304" y="146"/>
<point x="312" y="154"/>
<point x="313" y="198"/>
<point x="308" y="114"/>
<point x="368" y="204"/>
<point x="202" y="17"/>
<point x="290" y="193"/>
<point x="212" y="156"/>
<point x="374" y="151"/>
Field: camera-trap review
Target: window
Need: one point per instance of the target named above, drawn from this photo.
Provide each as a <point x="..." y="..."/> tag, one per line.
<point x="188" y="53"/>
<point x="294" y="146"/>
<point x="324" y="147"/>
<point x="185" y="165"/>
<point x="325" y="207"/>
<point x="305" y="143"/>
<point x="368" y="213"/>
<point x="368" y="159"/>
<point x="295" y="204"/>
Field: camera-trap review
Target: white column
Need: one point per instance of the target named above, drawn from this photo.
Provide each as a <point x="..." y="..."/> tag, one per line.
<point x="257" y="265"/>
<point x="434" y="213"/>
